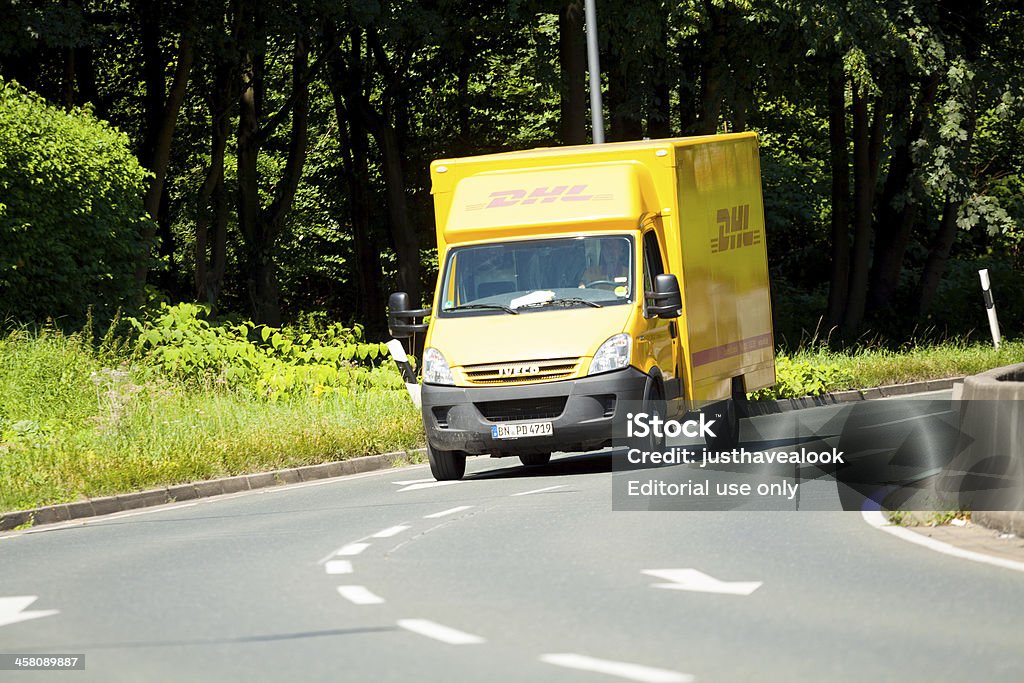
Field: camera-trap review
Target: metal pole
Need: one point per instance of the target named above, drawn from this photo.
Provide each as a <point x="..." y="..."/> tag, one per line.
<point x="594" y="66"/>
<point x="990" y="305"/>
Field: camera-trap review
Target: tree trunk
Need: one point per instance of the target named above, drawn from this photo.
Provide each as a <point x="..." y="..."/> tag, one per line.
<point x="713" y="70"/>
<point x="942" y="244"/>
<point x="212" y="204"/>
<point x="857" y="288"/>
<point x="935" y="266"/>
<point x="261" y="227"/>
<point x="572" y="60"/>
<point x="160" y="140"/>
<point x="659" y="111"/>
<point x="840" y="165"/>
<point x="407" y="247"/>
<point x="865" y="172"/>
<point x="895" y="224"/>
<point x="346" y="85"/>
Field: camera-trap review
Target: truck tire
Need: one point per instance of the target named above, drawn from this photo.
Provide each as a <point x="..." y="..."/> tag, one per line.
<point x="727" y="427"/>
<point x="446" y="465"/>
<point x="535" y="459"/>
<point x="654" y="404"/>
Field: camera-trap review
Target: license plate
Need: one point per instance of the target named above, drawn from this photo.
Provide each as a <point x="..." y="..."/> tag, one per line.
<point x="515" y="431"/>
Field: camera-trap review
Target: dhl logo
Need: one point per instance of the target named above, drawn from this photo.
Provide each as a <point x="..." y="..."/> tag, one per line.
<point x="539" y="195"/>
<point x="734" y="230"/>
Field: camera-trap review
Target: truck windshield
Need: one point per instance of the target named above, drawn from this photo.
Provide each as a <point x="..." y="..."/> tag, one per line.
<point x="535" y="275"/>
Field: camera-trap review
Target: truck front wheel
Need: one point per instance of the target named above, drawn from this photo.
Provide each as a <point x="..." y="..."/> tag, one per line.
<point x="446" y="465"/>
<point x="535" y="459"/>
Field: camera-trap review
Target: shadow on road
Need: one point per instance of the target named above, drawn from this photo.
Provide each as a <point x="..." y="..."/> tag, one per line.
<point x="585" y="463"/>
<point x="259" y="638"/>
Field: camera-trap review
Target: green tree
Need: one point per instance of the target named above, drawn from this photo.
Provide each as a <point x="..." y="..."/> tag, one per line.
<point x="71" y="212"/>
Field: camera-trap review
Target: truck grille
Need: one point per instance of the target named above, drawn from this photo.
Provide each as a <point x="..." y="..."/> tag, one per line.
<point x="522" y="373"/>
<point x="522" y="409"/>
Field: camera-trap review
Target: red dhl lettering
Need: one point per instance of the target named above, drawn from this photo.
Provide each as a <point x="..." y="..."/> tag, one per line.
<point x="538" y="195"/>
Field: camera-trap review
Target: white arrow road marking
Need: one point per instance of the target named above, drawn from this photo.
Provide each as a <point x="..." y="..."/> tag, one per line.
<point x="359" y="595"/>
<point x="445" y="513"/>
<point x="338" y="567"/>
<point x="390" y="531"/>
<point x="352" y="549"/>
<point x="412" y="481"/>
<point x="634" y="672"/>
<point x="445" y="634"/>
<point x="699" y="582"/>
<point x="428" y="485"/>
<point x="12" y="609"/>
<point x="549" y="488"/>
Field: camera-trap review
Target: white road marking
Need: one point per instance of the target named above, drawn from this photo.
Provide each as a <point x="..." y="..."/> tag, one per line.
<point x="390" y="531"/>
<point x="413" y="481"/>
<point x="699" y="582"/>
<point x="429" y="485"/>
<point x="633" y="672"/>
<point x="445" y="513"/>
<point x="876" y="519"/>
<point x="12" y="609"/>
<point x="432" y="629"/>
<point x="352" y="549"/>
<point x="338" y="567"/>
<point x="359" y="595"/>
<point x="549" y="488"/>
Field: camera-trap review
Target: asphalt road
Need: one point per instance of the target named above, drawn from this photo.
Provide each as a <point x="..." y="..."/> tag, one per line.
<point x="509" y="575"/>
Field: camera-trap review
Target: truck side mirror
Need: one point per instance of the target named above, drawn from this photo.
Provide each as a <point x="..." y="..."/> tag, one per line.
<point x="402" y="319"/>
<point x="666" y="301"/>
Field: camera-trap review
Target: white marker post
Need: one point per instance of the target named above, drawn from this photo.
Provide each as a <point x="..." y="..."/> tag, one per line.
<point x="405" y="367"/>
<point x="990" y="306"/>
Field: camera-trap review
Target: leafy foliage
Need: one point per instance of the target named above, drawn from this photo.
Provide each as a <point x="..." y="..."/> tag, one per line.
<point x="70" y="212"/>
<point x="797" y="377"/>
<point x="264" y="361"/>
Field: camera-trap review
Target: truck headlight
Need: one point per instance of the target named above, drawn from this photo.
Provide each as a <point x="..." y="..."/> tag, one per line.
<point x="435" y="368"/>
<point x="613" y="355"/>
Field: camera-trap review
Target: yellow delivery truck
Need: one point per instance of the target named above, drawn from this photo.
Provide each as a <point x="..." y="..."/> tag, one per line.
<point x="578" y="282"/>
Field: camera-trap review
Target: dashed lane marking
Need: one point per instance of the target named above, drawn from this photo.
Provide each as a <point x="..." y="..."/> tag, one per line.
<point x="633" y="672"/>
<point x="359" y="595"/>
<point x="445" y="513"/>
<point x="549" y="488"/>
<point x="445" y="634"/>
<point x="338" y="567"/>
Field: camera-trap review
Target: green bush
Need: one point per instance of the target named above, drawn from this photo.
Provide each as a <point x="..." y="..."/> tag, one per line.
<point x="71" y="213"/>
<point x="266" y="361"/>
<point x="796" y="378"/>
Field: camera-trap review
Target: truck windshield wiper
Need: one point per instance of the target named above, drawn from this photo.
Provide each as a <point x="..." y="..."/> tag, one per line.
<point x="571" y="301"/>
<point x="466" y="307"/>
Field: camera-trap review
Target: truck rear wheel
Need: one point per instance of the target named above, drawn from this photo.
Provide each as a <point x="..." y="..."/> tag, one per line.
<point x="446" y="465"/>
<point x="535" y="459"/>
<point x="726" y="428"/>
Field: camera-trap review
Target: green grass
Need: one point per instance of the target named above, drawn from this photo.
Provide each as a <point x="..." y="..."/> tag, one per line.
<point x="812" y="371"/>
<point x="74" y="424"/>
<point x="79" y="422"/>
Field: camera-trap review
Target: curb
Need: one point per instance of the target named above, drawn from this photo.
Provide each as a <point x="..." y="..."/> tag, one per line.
<point x="177" y="493"/>
<point x="93" y="507"/>
<point x="853" y="395"/>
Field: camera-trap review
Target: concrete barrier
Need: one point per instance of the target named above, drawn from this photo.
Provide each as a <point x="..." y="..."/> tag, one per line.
<point x="992" y="414"/>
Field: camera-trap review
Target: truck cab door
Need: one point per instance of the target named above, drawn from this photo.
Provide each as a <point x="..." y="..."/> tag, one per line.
<point x="659" y="336"/>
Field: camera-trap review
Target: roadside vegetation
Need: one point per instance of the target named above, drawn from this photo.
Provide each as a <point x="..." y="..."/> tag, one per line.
<point x="183" y="400"/>
<point x="174" y="397"/>
<point x="817" y="369"/>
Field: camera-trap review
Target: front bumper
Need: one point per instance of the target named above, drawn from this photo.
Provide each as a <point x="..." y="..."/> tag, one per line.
<point x="581" y="412"/>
